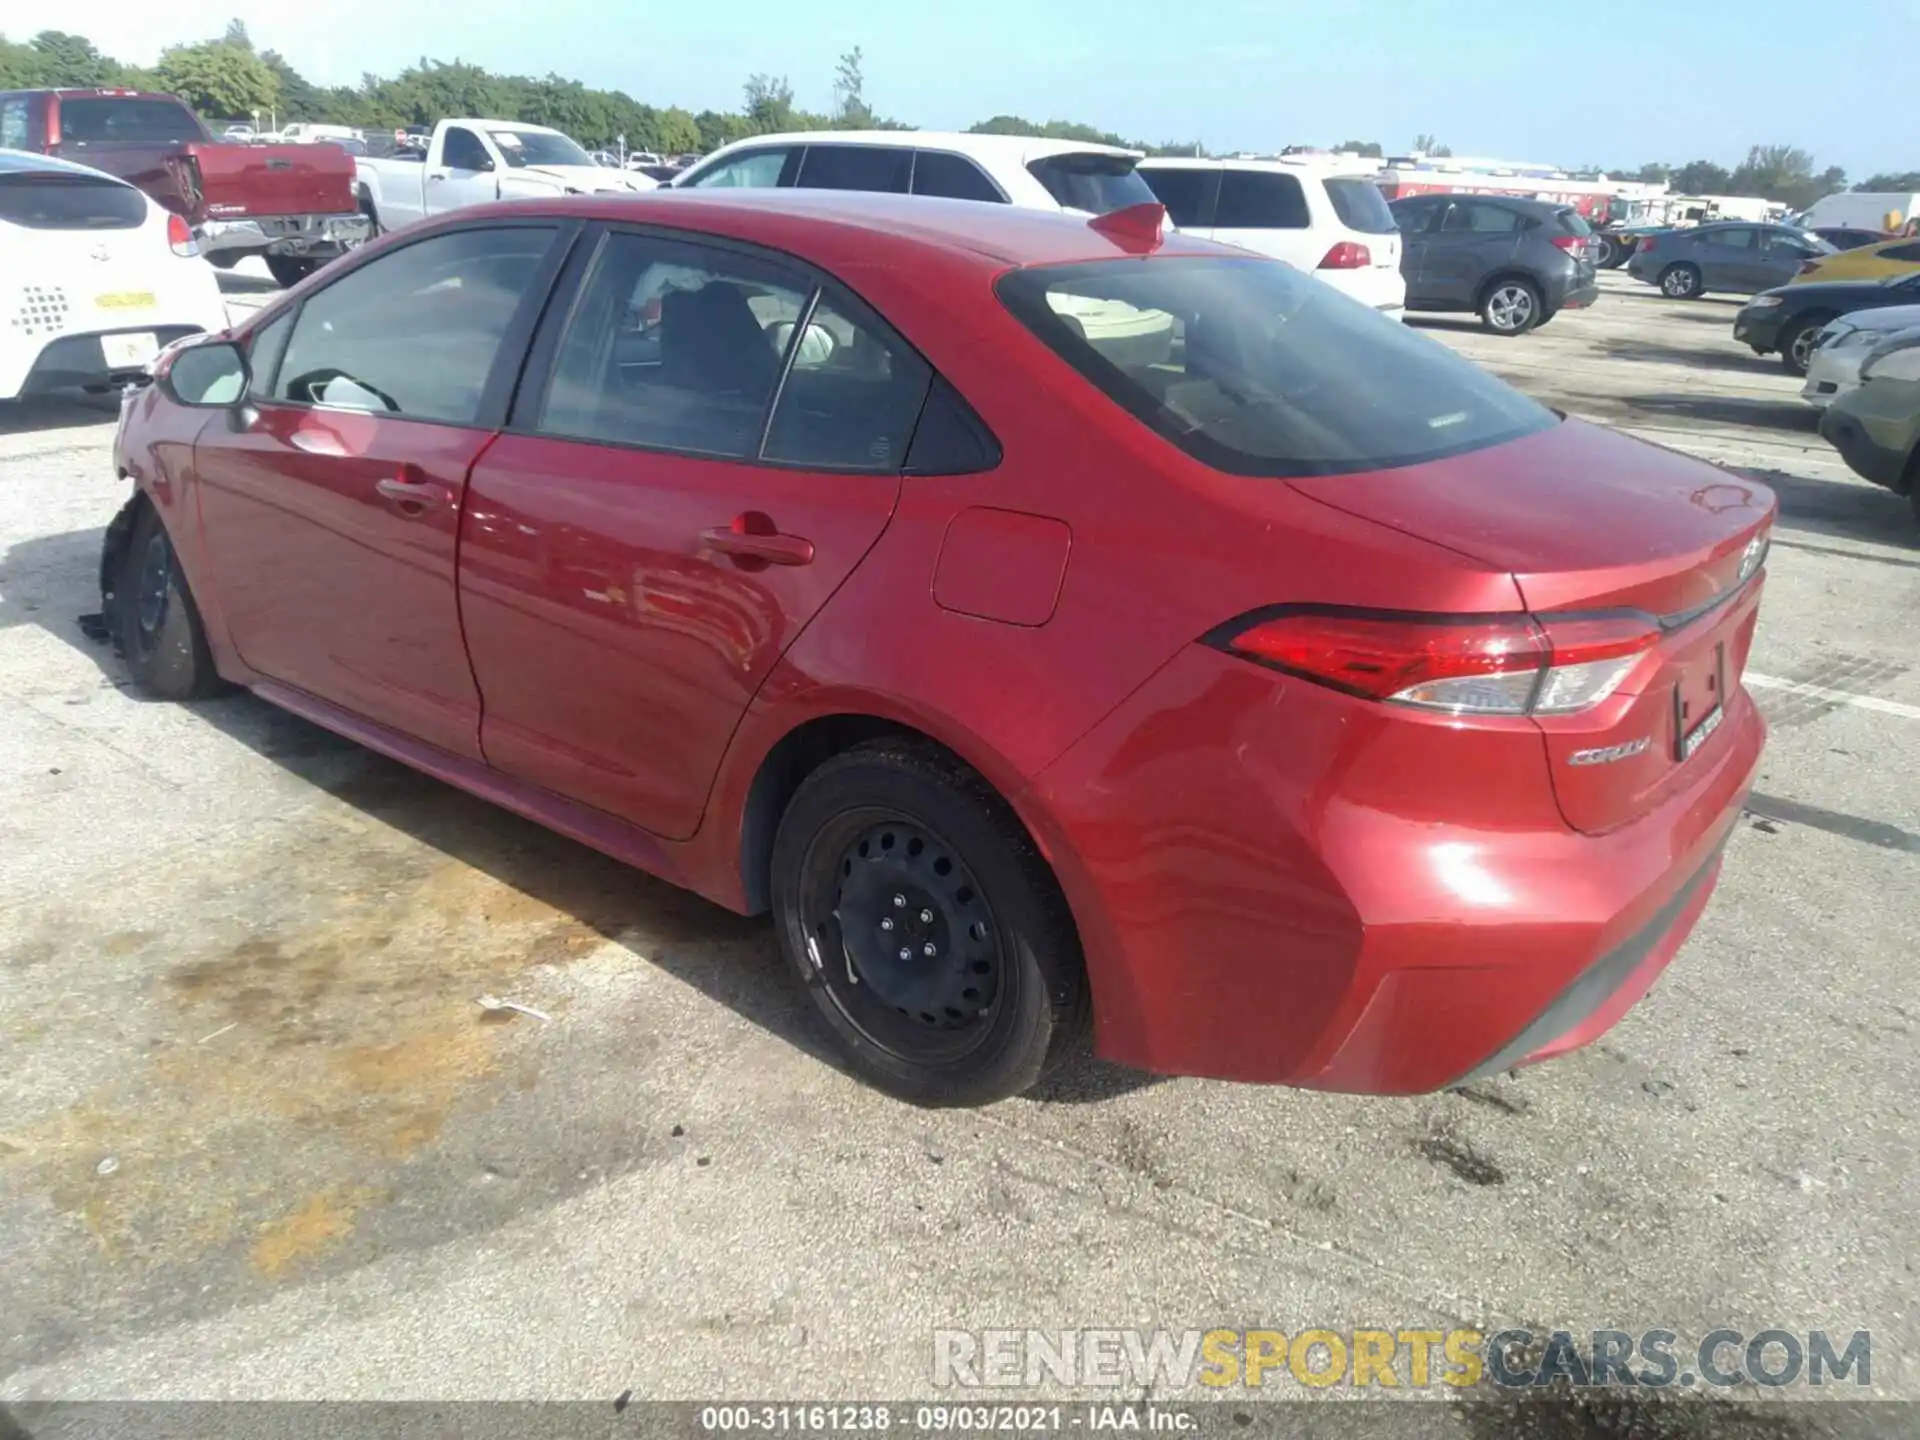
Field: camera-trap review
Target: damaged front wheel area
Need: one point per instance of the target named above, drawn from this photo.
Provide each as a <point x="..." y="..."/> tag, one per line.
<point x="148" y="611"/>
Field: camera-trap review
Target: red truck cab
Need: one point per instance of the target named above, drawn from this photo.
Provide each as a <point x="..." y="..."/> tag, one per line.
<point x="295" y="205"/>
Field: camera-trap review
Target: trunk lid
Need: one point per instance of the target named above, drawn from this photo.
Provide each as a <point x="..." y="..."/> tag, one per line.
<point x="1587" y="520"/>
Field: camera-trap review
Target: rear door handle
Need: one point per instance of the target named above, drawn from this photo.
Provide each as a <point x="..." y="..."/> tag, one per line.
<point x="414" y="497"/>
<point x="752" y="536"/>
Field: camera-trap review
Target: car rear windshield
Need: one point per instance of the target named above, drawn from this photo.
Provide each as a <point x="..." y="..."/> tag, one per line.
<point x="1255" y="368"/>
<point x="44" y="201"/>
<point x="118" y="120"/>
<point x="1572" y="222"/>
<point x="1092" y="182"/>
<point x="1360" y="205"/>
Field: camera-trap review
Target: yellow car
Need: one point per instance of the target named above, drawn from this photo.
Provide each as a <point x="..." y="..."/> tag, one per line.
<point x="1869" y="262"/>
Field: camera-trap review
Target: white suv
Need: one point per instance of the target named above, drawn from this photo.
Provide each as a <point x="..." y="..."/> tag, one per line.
<point x="998" y="169"/>
<point x="1315" y="215"/>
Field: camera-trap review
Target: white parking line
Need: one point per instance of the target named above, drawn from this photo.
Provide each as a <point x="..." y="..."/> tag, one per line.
<point x="1836" y="697"/>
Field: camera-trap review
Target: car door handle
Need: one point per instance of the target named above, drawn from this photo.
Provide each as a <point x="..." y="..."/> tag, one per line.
<point x="414" y="497"/>
<point x="437" y="175"/>
<point x="752" y="536"/>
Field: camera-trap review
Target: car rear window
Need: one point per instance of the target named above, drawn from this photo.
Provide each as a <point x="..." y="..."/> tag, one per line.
<point x="110" y="121"/>
<point x="1572" y="223"/>
<point x="1360" y="205"/>
<point x="42" y="201"/>
<point x="1092" y="182"/>
<point x="1254" y="368"/>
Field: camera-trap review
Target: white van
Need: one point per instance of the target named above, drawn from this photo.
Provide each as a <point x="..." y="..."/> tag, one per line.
<point x="306" y="134"/>
<point x="1863" y="210"/>
<point x="1315" y="212"/>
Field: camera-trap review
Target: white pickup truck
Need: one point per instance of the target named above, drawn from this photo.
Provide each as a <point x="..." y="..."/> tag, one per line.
<point x="469" y="162"/>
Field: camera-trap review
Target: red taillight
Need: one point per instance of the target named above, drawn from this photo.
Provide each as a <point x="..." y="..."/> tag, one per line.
<point x="1347" y="255"/>
<point x="1646" y="243"/>
<point x="1478" y="665"/>
<point x="1572" y="244"/>
<point x="180" y="236"/>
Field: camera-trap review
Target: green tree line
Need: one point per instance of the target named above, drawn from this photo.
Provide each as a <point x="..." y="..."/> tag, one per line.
<point x="229" y="79"/>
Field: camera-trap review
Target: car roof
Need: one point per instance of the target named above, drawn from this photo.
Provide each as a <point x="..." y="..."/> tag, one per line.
<point x="476" y="124"/>
<point x="1017" y="149"/>
<point x="23" y="162"/>
<point x="1325" y="167"/>
<point x="831" y="227"/>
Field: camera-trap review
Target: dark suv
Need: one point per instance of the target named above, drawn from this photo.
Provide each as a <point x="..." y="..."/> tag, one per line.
<point x="1515" y="263"/>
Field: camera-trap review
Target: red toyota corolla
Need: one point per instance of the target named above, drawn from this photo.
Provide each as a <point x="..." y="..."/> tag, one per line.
<point x="1050" y="621"/>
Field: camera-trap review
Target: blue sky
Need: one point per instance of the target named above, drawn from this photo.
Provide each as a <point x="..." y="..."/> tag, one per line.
<point x="1617" y="83"/>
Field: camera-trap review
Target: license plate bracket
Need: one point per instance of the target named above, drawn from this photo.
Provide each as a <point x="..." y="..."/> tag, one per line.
<point x="129" y="352"/>
<point x="1689" y="734"/>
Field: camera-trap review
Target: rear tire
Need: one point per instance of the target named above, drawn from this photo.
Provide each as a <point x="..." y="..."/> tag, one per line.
<point x="1511" y="306"/>
<point x="925" y="927"/>
<point x="154" y="621"/>
<point x="1681" y="282"/>
<point x="1610" y="252"/>
<point x="289" y="270"/>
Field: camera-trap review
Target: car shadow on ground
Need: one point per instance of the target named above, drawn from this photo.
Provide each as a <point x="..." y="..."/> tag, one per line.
<point x="1789" y="415"/>
<point x="232" y="282"/>
<point x="1843" y="509"/>
<point x="665" y="926"/>
<point x="57" y="412"/>
<point x="1652" y="353"/>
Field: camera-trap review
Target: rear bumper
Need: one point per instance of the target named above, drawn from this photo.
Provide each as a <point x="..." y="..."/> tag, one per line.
<point x="311" y="235"/>
<point x="75" y="362"/>
<point x="1271" y="887"/>
<point x="1579" y="296"/>
<point x="1381" y="287"/>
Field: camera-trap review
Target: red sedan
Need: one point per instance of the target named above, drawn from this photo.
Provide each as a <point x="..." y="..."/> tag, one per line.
<point x="1051" y="622"/>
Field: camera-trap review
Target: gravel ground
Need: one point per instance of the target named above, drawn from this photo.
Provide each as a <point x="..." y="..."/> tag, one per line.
<point x="258" y="1142"/>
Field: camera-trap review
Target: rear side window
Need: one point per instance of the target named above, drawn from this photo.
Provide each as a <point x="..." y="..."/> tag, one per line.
<point x="1360" y="205"/>
<point x="1412" y="217"/>
<point x="13" y="124"/>
<point x="1254" y="368"/>
<point x="1258" y="200"/>
<point x="953" y="176"/>
<point x="414" y="333"/>
<point x="1183" y="192"/>
<point x="1480" y="218"/>
<point x="1736" y="238"/>
<point x="461" y="150"/>
<point x="1092" y="182"/>
<point x="42" y="201"/>
<point x="679" y="347"/>
<point x="855" y="167"/>
<point x="117" y="121"/>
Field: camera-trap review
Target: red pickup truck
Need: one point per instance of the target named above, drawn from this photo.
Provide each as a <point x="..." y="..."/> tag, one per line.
<point x="296" y="205"/>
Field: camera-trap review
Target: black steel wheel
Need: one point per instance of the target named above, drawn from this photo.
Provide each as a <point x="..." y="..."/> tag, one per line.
<point x="930" y="936"/>
<point x="154" y="621"/>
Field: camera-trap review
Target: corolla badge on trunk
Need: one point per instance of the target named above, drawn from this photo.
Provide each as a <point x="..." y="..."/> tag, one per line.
<point x="1607" y="754"/>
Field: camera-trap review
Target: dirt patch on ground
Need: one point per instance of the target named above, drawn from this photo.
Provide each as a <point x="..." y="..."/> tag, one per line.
<point x="317" y="1027"/>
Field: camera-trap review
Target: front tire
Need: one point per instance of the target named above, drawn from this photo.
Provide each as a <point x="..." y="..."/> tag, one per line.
<point x="154" y="621"/>
<point x="1511" y="307"/>
<point x="1680" y="282"/>
<point x="925" y="927"/>
<point x="1796" y="345"/>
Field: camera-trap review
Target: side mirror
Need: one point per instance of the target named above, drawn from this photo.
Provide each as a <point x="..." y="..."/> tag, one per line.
<point x="212" y="376"/>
